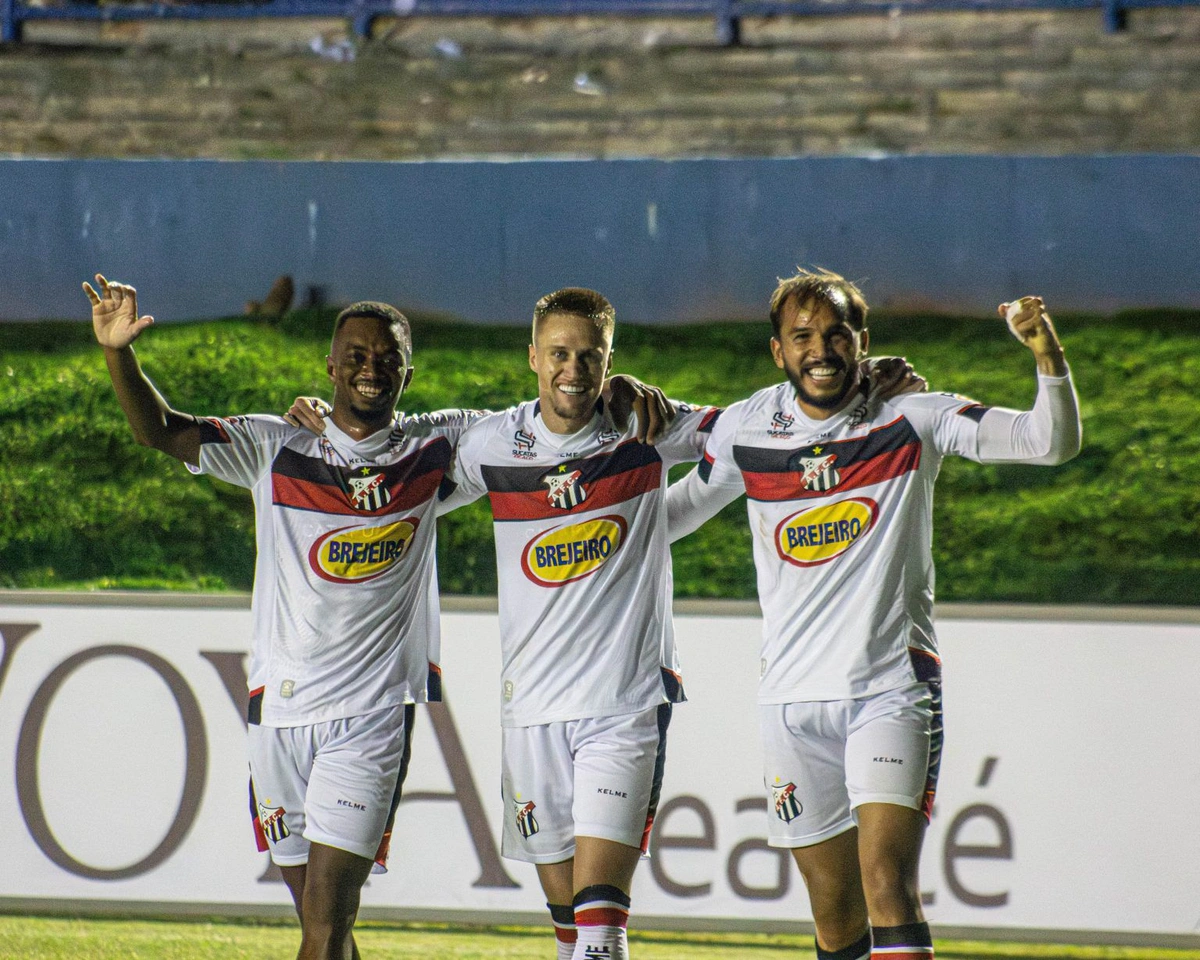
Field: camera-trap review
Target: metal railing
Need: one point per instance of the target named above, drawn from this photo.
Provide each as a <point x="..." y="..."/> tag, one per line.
<point x="726" y="14"/>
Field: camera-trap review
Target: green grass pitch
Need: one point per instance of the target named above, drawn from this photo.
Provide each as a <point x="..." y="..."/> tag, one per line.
<point x="40" y="938"/>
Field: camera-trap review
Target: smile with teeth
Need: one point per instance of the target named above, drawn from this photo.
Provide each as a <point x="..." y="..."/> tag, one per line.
<point x="369" y="390"/>
<point x="572" y="389"/>
<point x="823" y="373"/>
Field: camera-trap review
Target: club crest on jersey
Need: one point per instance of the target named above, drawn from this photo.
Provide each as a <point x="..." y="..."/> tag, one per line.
<point x="787" y="807"/>
<point x="823" y="533"/>
<point x="526" y="822"/>
<point x="566" y="490"/>
<point x="817" y="472"/>
<point x="523" y="442"/>
<point x="368" y="491"/>
<point x="271" y="821"/>
<point x="781" y="424"/>
<point x="572" y="552"/>
<point x="359" y="554"/>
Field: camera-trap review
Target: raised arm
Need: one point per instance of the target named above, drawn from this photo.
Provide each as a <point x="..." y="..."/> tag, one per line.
<point x="154" y="423"/>
<point x="1051" y="432"/>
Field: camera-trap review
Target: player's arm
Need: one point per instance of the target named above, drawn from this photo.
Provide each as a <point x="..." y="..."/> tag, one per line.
<point x="716" y="481"/>
<point x="154" y="423"/>
<point x="463" y="482"/>
<point x="626" y="396"/>
<point x="1051" y="432"/>
<point x="692" y="501"/>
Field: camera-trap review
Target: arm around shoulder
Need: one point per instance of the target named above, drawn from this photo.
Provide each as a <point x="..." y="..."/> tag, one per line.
<point x="691" y="502"/>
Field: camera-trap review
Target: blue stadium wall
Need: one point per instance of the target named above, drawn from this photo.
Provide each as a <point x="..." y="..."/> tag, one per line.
<point x="668" y="241"/>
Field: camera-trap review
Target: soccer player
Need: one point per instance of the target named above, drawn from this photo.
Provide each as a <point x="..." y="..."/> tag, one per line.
<point x="345" y="607"/>
<point x="589" y="666"/>
<point x="839" y="492"/>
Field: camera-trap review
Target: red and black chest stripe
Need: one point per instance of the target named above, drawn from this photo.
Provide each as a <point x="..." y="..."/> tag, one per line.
<point x="573" y="486"/>
<point x="826" y="469"/>
<point x="309" y="483"/>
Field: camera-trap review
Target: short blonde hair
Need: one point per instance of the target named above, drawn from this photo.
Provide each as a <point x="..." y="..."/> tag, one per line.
<point x="578" y="302"/>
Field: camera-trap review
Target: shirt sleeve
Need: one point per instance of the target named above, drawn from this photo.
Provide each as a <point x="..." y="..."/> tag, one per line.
<point x="688" y="435"/>
<point x="715" y="483"/>
<point x="1049" y="434"/>
<point x="1046" y="435"/>
<point x="240" y="450"/>
<point x="463" y="482"/>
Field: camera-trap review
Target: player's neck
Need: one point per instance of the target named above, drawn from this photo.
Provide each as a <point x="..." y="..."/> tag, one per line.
<point x="564" y="426"/>
<point x="820" y="412"/>
<point x="357" y="426"/>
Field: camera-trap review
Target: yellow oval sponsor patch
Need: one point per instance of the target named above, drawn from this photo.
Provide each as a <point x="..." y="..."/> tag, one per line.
<point x="358" y="554"/>
<point x="822" y="533"/>
<point x="574" y="551"/>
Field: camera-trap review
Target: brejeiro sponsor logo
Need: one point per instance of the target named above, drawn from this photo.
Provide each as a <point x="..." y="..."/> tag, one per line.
<point x="822" y="533"/>
<point x="358" y="554"/>
<point x="573" y="551"/>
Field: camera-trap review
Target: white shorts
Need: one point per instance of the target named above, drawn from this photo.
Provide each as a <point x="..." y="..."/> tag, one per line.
<point x="336" y="783"/>
<point x="823" y="759"/>
<point x="599" y="777"/>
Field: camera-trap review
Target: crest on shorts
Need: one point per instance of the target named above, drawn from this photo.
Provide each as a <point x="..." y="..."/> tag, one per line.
<point x="565" y="489"/>
<point x="271" y="821"/>
<point x="526" y="821"/>
<point x="368" y="490"/>
<point x="787" y="807"/>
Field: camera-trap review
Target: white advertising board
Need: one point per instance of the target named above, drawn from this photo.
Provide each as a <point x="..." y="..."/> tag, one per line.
<point x="1067" y="798"/>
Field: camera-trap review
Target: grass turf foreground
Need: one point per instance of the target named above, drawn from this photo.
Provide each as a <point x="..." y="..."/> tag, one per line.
<point x="83" y="506"/>
<point x="38" y="938"/>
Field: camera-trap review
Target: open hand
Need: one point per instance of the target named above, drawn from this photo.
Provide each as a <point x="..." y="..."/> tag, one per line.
<point x="115" y="314"/>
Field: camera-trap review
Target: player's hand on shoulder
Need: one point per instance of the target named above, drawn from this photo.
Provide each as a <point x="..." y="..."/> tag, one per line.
<point x="891" y="377"/>
<point x="115" y="317"/>
<point x="648" y="403"/>
<point x="626" y="395"/>
<point x="309" y="414"/>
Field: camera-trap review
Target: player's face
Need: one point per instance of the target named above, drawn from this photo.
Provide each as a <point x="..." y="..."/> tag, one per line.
<point x="368" y="368"/>
<point x="820" y="354"/>
<point x="571" y="358"/>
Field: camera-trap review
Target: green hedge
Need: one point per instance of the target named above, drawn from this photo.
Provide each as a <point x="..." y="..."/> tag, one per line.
<point x="83" y="506"/>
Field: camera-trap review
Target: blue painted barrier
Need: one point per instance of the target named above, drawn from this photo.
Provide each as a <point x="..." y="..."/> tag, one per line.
<point x="667" y="241"/>
<point x="726" y="14"/>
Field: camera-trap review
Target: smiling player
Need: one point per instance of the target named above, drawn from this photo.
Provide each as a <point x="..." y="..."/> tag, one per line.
<point x="589" y="666"/>
<point x="840" y="493"/>
<point x="345" y="607"/>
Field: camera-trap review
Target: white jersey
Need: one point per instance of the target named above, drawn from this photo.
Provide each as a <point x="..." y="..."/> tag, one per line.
<point x="345" y="605"/>
<point x="841" y="512"/>
<point x="583" y="562"/>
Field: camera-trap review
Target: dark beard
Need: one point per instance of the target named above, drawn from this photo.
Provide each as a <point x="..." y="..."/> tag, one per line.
<point x="823" y="403"/>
